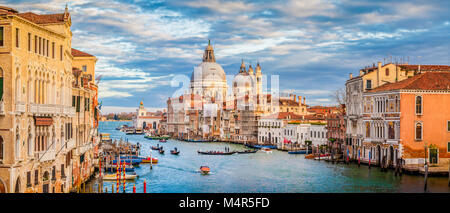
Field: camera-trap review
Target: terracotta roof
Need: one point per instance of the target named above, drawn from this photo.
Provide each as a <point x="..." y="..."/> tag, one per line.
<point x="423" y="81"/>
<point x="7" y="10"/>
<point x="78" y="53"/>
<point x="44" y="19"/>
<point x="425" y="67"/>
<point x="288" y="102"/>
<point x="283" y="115"/>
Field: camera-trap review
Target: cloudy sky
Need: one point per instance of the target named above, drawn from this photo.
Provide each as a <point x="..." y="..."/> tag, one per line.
<point x="313" y="45"/>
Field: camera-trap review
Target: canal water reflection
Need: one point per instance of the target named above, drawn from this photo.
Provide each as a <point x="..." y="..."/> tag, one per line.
<point x="258" y="172"/>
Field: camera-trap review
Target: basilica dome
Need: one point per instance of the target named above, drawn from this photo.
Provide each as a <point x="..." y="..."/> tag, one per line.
<point x="208" y="70"/>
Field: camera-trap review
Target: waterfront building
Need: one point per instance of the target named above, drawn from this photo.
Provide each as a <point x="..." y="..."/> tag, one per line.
<point x="336" y="126"/>
<point x="84" y="126"/>
<point x="318" y="134"/>
<point x="147" y="120"/>
<point x="37" y="138"/>
<point x="370" y="78"/>
<point x="270" y="127"/>
<point x="409" y="119"/>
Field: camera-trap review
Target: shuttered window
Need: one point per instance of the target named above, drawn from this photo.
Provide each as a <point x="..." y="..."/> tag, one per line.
<point x="1" y="37"/>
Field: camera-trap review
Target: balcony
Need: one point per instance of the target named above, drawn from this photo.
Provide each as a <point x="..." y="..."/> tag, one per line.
<point x="70" y="144"/>
<point x="20" y="108"/>
<point x="48" y="155"/>
<point x="50" y="109"/>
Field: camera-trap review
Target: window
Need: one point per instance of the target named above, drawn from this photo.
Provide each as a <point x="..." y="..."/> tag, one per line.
<point x="60" y="52"/>
<point x="36" y="177"/>
<point x="367" y="129"/>
<point x="29" y="42"/>
<point x="1" y="37"/>
<point x="40" y="45"/>
<point x="418" y="131"/>
<point x="46" y="51"/>
<point x="387" y="71"/>
<point x="63" y="174"/>
<point x="28" y="179"/>
<point x="1" y="149"/>
<point x="391" y="131"/>
<point x="418" y="105"/>
<point x="43" y="46"/>
<point x="17" y="37"/>
<point x="53" y="50"/>
<point x="35" y="44"/>
<point x="448" y="126"/>
<point x="369" y="84"/>
<point x="73" y="101"/>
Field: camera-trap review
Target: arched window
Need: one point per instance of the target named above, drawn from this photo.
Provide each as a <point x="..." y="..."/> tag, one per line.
<point x="418" y="105"/>
<point x="419" y="131"/>
<point x="17" y="147"/>
<point x="1" y="149"/>
<point x="367" y="129"/>
<point x="1" y="84"/>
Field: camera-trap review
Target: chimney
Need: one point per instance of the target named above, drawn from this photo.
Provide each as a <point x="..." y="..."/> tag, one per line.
<point x="295" y="98"/>
<point x="361" y="72"/>
<point x="304" y="100"/>
<point x="351" y="75"/>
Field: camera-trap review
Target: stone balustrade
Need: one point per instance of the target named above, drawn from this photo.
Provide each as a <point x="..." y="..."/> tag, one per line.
<point x="48" y="155"/>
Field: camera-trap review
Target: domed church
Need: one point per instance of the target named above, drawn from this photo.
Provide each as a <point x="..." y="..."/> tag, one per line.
<point x="208" y="79"/>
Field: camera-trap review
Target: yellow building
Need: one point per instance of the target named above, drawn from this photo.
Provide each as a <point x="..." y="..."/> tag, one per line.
<point x="36" y="113"/>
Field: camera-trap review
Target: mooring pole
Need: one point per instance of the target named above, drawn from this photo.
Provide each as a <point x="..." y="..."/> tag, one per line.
<point x="426" y="177"/>
<point x="449" y="174"/>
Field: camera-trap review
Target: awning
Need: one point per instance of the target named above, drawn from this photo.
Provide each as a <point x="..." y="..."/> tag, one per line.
<point x="43" y="121"/>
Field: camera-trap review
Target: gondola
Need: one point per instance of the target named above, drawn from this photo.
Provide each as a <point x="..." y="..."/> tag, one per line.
<point x="155" y="147"/>
<point x="174" y="152"/>
<point x="247" y="151"/>
<point x="161" y="151"/>
<point x="215" y="153"/>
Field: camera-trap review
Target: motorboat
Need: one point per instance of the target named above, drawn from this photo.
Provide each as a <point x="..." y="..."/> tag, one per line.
<point x="266" y="150"/>
<point x="113" y="177"/>
<point x="204" y="170"/>
<point x="247" y="151"/>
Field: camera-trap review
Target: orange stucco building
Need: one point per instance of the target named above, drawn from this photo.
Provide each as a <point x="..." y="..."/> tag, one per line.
<point x="410" y="119"/>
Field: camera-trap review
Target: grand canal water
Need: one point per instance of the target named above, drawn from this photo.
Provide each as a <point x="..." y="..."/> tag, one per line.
<point x="259" y="172"/>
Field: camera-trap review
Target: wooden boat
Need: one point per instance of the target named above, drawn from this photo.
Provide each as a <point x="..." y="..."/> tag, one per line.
<point x="322" y="157"/>
<point x="204" y="170"/>
<point x="161" y="151"/>
<point x="156" y="137"/>
<point x="150" y="160"/>
<point x="129" y="160"/>
<point x="302" y="151"/>
<point x="215" y="153"/>
<point x="113" y="177"/>
<point x="162" y="140"/>
<point x="174" y="152"/>
<point x="112" y="168"/>
<point x="310" y="156"/>
<point x="246" y="151"/>
<point x="155" y="147"/>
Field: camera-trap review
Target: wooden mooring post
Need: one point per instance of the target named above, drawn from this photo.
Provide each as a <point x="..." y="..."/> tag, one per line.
<point x="426" y="177"/>
<point x="449" y="173"/>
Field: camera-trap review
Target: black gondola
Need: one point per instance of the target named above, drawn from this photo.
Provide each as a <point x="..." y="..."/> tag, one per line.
<point x="246" y="151"/>
<point x="215" y="153"/>
<point x="161" y="151"/>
